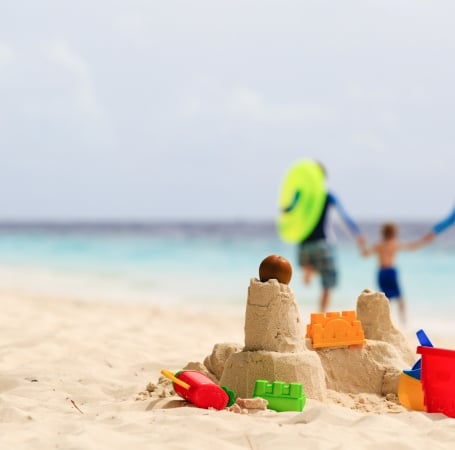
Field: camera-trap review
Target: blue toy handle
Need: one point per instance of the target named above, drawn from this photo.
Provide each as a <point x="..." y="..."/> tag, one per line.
<point x="423" y="339"/>
<point x="424" y="342"/>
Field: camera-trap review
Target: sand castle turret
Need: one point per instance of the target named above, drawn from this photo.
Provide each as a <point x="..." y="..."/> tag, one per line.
<point x="274" y="344"/>
<point x="272" y="320"/>
<point x="373" y="310"/>
<point x="374" y="367"/>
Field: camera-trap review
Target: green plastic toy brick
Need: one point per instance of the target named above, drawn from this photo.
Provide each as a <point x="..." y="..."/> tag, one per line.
<point x="281" y="396"/>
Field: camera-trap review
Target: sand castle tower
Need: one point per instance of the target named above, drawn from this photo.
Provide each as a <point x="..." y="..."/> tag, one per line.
<point x="274" y="339"/>
<point x="276" y="349"/>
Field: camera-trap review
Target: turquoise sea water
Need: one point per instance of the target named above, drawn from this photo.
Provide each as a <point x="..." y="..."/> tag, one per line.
<point x="207" y="265"/>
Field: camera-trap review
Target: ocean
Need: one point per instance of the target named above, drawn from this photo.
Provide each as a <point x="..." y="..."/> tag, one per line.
<point x="208" y="265"/>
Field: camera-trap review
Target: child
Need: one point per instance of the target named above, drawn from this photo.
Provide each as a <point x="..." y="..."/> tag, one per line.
<point x="386" y="249"/>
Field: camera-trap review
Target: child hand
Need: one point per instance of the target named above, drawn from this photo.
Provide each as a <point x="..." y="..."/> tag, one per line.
<point x="428" y="238"/>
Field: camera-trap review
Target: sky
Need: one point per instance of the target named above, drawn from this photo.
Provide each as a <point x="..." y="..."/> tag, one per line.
<point x="195" y="110"/>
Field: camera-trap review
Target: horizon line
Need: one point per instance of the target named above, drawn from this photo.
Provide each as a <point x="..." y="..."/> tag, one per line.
<point x="164" y="221"/>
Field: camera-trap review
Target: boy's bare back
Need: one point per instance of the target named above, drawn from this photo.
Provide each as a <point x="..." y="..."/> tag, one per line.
<point x="386" y="251"/>
<point x="389" y="245"/>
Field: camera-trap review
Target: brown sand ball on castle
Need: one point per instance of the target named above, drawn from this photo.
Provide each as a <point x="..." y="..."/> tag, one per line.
<point x="275" y="266"/>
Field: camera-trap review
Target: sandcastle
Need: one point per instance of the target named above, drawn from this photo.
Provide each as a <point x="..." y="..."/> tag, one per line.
<point x="276" y="348"/>
<point x="274" y="344"/>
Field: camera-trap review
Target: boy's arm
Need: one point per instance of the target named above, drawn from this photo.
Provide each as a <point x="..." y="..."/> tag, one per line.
<point x="367" y="251"/>
<point x="413" y="245"/>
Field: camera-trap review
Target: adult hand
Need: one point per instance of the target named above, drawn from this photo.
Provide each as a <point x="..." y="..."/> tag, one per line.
<point x="428" y="237"/>
<point x="361" y="241"/>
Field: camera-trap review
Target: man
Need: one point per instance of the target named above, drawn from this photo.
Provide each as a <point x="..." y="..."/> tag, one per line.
<point x="316" y="253"/>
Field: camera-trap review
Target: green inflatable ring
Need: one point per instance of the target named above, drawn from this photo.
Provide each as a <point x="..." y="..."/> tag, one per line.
<point x="302" y="197"/>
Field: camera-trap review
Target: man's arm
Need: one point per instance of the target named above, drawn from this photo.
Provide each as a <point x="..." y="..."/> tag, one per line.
<point x="352" y="226"/>
<point x="445" y="223"/>
<point x="346" y="218"/>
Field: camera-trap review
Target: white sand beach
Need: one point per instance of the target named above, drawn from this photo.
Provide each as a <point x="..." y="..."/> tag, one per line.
<point x="74" y="376"/>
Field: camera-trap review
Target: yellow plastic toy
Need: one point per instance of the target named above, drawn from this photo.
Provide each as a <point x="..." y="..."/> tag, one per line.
<point x="334" y="329"/>
<point x="410" y="392"/>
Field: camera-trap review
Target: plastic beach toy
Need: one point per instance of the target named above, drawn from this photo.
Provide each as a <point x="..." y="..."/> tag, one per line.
<point x="416" y="368"/>
<point x="410" y="392"/>
<point x="438" y="379"/>
<point x="334" y="329"/>
<point x="301" y="200"/>
<point x="199" y="389"/>
<point x="281" y="396"/>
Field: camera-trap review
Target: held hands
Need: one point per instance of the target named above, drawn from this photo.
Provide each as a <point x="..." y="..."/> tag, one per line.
<point x="427" y="238"/>
<point x="361" y="242"/>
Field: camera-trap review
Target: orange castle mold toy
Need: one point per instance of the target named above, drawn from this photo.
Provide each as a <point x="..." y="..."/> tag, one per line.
<point x="334" y="329"/>
<point x="199" y="389"/>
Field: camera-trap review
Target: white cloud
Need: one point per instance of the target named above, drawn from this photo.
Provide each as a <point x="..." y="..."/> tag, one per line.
<point x="249" y="104"/>
<point x="60" y="53"/>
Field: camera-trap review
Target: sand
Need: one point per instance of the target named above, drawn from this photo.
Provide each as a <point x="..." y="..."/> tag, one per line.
<point x="74" y="375"/>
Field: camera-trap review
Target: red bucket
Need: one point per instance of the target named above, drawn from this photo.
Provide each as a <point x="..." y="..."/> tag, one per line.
<point x="438" y="379"/>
